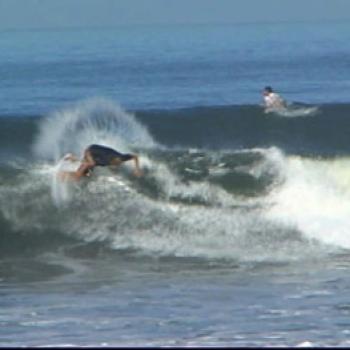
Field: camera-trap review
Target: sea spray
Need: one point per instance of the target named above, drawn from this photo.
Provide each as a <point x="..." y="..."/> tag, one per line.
<point x="96" y="120"/>
<point x="72" y="129"/>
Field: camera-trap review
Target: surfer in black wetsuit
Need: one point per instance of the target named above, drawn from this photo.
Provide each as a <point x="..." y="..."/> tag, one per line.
<point x="97" y="155"/>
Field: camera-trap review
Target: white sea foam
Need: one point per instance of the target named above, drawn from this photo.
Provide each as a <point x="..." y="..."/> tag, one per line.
<point x="293" y="111"/>
<point x="61" y="190"/>
<point x="315" y="199"/>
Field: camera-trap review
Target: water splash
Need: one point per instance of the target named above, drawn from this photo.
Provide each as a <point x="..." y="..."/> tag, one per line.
<point x="96" y="120"/>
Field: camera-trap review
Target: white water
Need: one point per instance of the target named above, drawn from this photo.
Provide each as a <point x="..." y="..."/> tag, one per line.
<point x="293" y="111"/>
<point x="315" y="199"/>
<point x="309" y="197"/>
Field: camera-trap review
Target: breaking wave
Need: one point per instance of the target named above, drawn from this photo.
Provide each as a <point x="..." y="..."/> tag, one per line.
<point x="241" y="204"/>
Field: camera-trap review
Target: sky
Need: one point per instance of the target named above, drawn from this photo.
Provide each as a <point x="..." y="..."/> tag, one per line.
<point x="21" y="14"/>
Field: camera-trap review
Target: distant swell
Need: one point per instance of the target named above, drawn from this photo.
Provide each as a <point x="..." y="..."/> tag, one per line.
<point x="239" y="127"/>
<point x="324" y="133"/>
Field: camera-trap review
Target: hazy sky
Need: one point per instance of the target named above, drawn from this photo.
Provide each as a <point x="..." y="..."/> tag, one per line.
<point x="81" y="13"/>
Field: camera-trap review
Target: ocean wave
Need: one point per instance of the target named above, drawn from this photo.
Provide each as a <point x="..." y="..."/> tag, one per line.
<point x="169" y="213"/>
<point x="323" y="133"/>
<point x="238" y="203"/>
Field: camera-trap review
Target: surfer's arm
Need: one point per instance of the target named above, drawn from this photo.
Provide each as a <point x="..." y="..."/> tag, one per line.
<point x="83" y="170"/>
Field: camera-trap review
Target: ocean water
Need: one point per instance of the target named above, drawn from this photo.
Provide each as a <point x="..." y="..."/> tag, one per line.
<point x="238" y="234"/>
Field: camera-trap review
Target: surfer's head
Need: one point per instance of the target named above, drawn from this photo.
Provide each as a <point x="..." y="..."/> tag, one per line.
<point x="267" y="90"/>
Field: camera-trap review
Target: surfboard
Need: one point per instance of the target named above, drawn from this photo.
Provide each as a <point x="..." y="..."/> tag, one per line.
<point x="294" y="111"/>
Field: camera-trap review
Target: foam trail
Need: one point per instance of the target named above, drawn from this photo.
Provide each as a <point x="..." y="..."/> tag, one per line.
<point x="294" y="110"/>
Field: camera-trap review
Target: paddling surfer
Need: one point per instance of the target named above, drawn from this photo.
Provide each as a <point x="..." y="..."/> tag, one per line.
<point x="272" y="100"/>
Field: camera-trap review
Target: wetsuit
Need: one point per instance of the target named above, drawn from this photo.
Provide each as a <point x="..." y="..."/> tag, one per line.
<point x="103" y="156"/>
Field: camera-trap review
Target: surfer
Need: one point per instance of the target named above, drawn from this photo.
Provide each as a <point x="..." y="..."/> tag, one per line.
<point x="272" y="100"/>
<point x="97" y="155"/>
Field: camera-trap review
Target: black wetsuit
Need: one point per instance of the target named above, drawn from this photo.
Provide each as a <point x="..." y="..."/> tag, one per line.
<point x="103" y="156"/>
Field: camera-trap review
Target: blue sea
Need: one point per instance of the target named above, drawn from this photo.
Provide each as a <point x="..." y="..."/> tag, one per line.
<point x="238" y="232"/>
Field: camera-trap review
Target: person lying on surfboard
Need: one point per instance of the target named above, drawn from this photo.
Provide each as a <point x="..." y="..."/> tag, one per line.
<point x="97" y="155"/>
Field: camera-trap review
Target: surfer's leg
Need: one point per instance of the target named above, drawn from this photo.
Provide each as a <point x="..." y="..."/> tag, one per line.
<point x="126" y="157"/>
